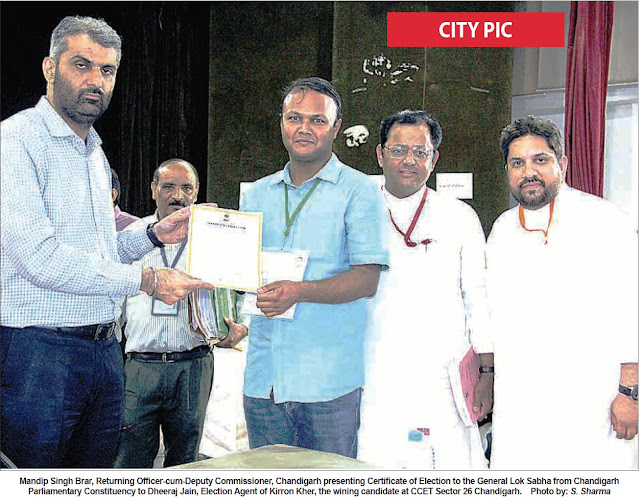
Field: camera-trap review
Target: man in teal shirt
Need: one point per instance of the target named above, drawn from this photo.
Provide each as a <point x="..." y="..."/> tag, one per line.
<point x="304" y="377"/>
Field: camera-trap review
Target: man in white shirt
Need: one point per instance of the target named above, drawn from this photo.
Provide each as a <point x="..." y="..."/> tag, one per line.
<point x="427" y="311"/>
<point x="563" y="295"/>
<point x="168" y="367"/>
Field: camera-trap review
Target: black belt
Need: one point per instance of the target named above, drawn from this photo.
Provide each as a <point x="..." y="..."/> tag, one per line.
<point x="197" y="352"/>
<point x="103" y="331"/>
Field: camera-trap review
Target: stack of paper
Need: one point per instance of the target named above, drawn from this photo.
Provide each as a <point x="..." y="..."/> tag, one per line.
<point x="207" y="311"/>
<point x="225" y="307"/>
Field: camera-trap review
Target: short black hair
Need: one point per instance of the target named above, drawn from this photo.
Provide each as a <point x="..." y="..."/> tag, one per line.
<point x="532" y="125"/>
<point x="115" y="184"/>
<point x="413" y="117"/>
<point x="317" y="84"/>
<point x="175" y="160"/>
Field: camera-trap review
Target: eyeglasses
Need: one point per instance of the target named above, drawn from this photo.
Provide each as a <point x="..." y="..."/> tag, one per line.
<point x="400" y="151"/>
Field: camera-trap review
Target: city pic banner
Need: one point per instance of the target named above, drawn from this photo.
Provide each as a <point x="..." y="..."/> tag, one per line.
<point x="475" y="29"/>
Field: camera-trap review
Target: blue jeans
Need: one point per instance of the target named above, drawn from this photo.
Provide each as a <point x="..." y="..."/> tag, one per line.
<point x="61" y="398"/>
<point x="168" y="395"/>
<point x="329" y="426"/>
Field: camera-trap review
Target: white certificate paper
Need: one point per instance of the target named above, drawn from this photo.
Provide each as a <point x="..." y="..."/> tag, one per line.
<point x="278" y="266"/>
<point x="224" y="247"/>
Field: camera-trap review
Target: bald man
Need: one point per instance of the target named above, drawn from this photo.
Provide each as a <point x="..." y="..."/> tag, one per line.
<point x="168" y="368"/>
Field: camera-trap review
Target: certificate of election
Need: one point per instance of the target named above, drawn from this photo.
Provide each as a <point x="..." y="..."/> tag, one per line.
<point x="224" y="247"/>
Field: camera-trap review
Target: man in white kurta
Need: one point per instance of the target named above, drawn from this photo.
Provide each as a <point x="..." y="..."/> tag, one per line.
<point x="426" y="305"/>
<point x="563" y="294"/>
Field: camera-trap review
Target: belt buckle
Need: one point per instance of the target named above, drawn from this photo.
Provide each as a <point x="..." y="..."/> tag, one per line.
<point x="164" y="357"/>
<point x="107" y="332"/>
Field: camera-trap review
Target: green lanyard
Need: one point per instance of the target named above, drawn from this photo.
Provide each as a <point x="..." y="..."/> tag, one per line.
<point x="290" y="218"/>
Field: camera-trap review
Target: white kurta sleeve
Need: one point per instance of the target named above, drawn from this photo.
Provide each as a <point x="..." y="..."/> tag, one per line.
<point x="473" y="283"/>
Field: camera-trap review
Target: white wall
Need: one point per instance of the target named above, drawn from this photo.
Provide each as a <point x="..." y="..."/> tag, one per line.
<point x="538" y="89"/>
<point x="540" y="69"/>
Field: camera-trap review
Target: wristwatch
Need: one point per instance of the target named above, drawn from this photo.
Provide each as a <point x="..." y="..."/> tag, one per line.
<point x="152" y="236"/>
<point x="631" y="392"/>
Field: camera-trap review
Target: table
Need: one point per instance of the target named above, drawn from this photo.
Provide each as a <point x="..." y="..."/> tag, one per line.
<point x="277" y="456"/>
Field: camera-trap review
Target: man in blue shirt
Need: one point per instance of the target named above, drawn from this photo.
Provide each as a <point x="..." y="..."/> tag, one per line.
<point x="304" y="377"/>
<point x="63" y="264"/>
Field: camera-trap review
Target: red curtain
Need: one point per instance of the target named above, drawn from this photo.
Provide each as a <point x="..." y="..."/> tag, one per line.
<point x="588" y="53"/>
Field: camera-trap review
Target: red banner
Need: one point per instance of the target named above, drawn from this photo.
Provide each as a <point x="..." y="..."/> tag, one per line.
<point x="475" y="29"/>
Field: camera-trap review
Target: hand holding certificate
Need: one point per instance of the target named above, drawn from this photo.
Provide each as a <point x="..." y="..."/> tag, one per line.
<point x="278" y="266"/>
<point x="224" y="247"/>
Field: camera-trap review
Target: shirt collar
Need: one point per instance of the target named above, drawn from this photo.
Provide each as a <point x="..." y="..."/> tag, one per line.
<point x="563" y="189"/>
<point x="545" y="209"/>
<point x="330" y="172"/>
<point x="59" y="128"/>
<point x="411" y="200"/>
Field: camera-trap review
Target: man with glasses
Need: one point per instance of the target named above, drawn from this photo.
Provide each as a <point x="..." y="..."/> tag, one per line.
<point x="427" y="307"/>
<point x="303" y="379"/>
<point x="562" y="286"/>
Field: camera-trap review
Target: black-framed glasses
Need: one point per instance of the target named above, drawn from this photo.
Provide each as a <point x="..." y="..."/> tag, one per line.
<point x="400" y="151"/>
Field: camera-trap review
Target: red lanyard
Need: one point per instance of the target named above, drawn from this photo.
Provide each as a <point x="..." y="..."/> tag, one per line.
<point x="543" y="231"/>
<point x="407" y="236"/>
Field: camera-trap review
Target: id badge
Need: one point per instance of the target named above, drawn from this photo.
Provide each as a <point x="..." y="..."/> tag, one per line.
<point x="159" y="308"/>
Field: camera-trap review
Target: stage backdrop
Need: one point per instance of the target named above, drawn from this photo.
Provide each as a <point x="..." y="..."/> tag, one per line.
<point x="467" y="89"/>
<point x="203" y="81"/>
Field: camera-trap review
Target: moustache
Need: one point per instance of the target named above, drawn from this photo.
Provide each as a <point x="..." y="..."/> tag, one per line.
<point x="531" y="179"/>
<point x="177" y="204"/>
<point x="98" y="91"/>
